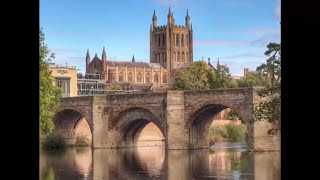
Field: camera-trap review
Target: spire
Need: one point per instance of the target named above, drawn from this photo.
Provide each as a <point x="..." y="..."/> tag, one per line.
<point x="96" y="55"/>
<point x="187" y="16"/>
<point x="218" y="65"/>
<point x="87" y="61"/>
<point x="104" y="56"/>
<point x="154" y="17"/>
<point x="208" y="60"/>
<point x="169" y="13"/>
<point x="133" y="60"/>
<point x="187" y="19"/>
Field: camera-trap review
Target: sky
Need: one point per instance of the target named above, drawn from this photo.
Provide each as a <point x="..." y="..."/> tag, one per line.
<point x="235" y="31"/>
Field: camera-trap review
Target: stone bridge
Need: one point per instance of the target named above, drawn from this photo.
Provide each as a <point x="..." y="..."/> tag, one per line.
<point x="183" y="117"/>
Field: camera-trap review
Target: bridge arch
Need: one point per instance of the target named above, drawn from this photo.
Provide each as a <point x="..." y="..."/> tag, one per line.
<point x="202" y="118"/>
<point x="70" y="123"/>
<point x="130" y="122"/>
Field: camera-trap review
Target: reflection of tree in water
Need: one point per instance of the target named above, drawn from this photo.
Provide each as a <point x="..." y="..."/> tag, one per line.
<point x="48" y="174"/>
<point x="239" y="161"/>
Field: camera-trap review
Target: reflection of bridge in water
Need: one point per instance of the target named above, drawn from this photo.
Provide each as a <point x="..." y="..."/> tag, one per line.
<point x="183" y="117"/>
<point x="157" y="163"/>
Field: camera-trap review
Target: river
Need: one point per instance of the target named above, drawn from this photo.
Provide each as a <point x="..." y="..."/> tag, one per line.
<point x="221" y="162"/>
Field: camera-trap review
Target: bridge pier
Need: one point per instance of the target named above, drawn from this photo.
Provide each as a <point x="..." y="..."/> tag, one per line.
<point x="177" y="135"/>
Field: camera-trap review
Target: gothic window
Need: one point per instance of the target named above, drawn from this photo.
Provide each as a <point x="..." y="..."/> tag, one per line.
<point x="164" y="78"/>
<point x="182" y="40"/>
<point x="187" y="57"/>
<point x="158" y="40"/>
<point x="130" y="78"/>
<point x="174" y="37"/>
<point x="182" y="57"/>
<point x="164" y="57"/>
<point x="174" y="56"/>
<point x="164" y="40"/>
<point x="178" y="56"/>
<point x="156" y="78"/>
<point x="148" y="78"/>
<point x="139" y="77"/>
<point x="121" y="77"/>
<point x="177" y="40"/>
<point x="187" y="41"/>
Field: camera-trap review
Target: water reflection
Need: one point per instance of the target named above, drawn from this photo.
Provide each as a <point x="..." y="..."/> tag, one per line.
<point x="156" y="163"/>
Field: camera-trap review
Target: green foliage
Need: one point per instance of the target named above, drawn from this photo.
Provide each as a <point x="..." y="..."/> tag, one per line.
<point x="49" y="94"/>
<point x="199" y="75"/>
<point x="82" y="141"/>
<point x="194" y="77"/>
<point x="221" y="78"/>
<point x="270" y="109"/>
<point x="48" y="174"/>
<point x="229" y="132"/>
<point x="254" y="78"/>
<point x="116" y="87"/>
<point x="53" y="142"/>
<point x="233" y="115"/>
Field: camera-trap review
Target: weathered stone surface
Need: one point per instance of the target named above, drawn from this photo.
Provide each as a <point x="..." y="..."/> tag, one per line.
<point x="182" y="116"/>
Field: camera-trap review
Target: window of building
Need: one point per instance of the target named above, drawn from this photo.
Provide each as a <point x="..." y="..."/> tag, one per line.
<point x="148" y="78"/>
<point x="156" y="78"/>
<point x="139" y="77"/>
<point x="130" y="78"/>
<point x="64" y="84"/>
<point x="120" y="76"/>
<point x="164" y="78"/>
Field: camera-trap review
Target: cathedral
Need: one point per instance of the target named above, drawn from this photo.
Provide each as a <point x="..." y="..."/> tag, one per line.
<point x="171" y="48"/>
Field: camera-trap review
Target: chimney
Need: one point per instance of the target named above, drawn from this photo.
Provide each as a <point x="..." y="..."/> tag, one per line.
<point x="245" y="71"/>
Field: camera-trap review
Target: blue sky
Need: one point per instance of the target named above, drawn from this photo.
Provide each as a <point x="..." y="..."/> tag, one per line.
<point x="236" y="31"/>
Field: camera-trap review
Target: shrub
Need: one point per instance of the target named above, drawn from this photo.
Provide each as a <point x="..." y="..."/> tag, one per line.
<point x="82" y="140"/>
<point x="227" y="132"/>
<point x="54" y="141"/>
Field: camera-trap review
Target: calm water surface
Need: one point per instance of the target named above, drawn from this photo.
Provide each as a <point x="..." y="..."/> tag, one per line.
<point x="223" y="161"/>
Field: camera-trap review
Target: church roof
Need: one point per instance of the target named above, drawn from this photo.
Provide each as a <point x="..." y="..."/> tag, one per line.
<point x="132" y="64"/>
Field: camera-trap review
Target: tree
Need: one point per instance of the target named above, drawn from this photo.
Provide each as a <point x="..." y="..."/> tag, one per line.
<point x="270" y="109"/>
<point x="49" y="94"/>
<point x="254" y="78"/>
<point x="116" y="87"/>
<point x="273" y="66"/>
<point x="193" y="77"/>
<point x="221" y="78"/>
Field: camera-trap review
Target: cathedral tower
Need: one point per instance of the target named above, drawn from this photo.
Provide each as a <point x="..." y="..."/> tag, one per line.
<point x="171" y="44"/>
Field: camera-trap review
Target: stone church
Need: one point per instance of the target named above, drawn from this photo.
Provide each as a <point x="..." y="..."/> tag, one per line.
<point x="171" y="48"/>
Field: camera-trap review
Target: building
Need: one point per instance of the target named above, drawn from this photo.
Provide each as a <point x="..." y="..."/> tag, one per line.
<point x="170" y="48"/>
<point x="65" y="77"/>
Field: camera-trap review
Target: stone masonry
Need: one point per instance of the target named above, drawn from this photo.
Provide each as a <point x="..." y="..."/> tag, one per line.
<point x="183" y="117"/>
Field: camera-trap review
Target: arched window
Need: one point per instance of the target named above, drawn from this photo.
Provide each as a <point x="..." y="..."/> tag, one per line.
<point x="139" y="77"/>
<point x="156" y="78"/>
<point x="174" y="37"/>
<point x="182" y="37"/>
<point x="164" y="40"/>
<point x="187" y="40"/>
<point x="164" y="57"/>
<point x="178" y="56"/>
<point x="187" y="57"/>
<point x="164" y="78"/>
<point x="159" y="40"/>
<point x="177" y="40"/>
<point x="174" y="56"/>
<point x="120" y="76"/>
<point x="182" y="57"/>
<point x="148" y="78"/>
<point x="130" y="78"/>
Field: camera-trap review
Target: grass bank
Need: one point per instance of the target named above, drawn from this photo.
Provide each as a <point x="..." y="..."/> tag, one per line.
<point x="229" y="132"/>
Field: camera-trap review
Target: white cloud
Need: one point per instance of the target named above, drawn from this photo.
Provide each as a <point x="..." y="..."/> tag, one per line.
<point x="245" y="55"/>
<point x="219" y="43"/>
